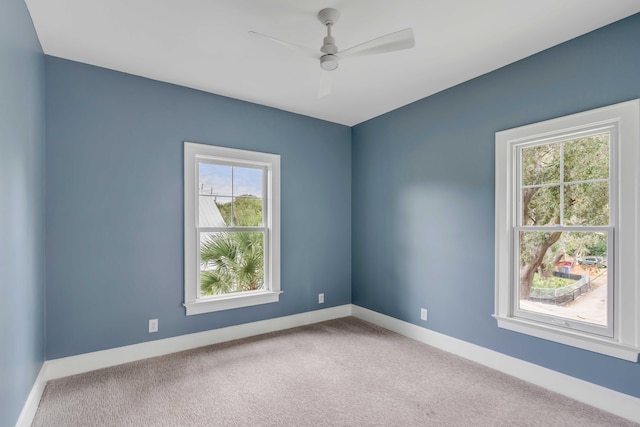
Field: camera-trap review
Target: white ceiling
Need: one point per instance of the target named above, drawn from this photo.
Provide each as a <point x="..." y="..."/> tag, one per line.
<point x="205" y="44"/>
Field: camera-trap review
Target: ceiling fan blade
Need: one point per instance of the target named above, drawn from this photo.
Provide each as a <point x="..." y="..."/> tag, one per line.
<point x="310" y="53"/>
<point x="326" y="82"/>
<point x="399" y="40"/>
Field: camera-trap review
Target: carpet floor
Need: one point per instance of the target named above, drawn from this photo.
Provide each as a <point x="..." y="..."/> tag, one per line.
<point x="343" y="372"/>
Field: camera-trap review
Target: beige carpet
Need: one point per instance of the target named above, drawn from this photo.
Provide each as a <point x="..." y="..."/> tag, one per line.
<point x="343" y="372"/>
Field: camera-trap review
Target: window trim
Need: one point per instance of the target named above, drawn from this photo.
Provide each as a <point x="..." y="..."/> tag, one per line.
<point x="625" y="343"/>
<point x="193" y="152"/>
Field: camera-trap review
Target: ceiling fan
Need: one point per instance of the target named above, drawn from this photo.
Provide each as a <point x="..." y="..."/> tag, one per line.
<point x="329" y="54"/>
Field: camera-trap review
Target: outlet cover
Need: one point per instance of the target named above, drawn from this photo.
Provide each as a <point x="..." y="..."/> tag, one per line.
<point x="320" y="298"/>
<point x="423" y="313"/>
<point x="153" y="325"/>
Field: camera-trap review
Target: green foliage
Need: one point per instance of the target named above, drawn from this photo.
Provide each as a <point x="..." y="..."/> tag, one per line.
<point x="598" y="247"/>
<point x="551" y="282"/>
<point x="541" y="164"/>
<point x="586" y="158"/>
<point x="555" y="193"/>
<point x="584" y="203"/>
<point x="579" y="245"/>
<point x="231" y="262"/>
<point x="544" y="206"/>
<point x="247" y="211"/>
<point x="234" y="261"/>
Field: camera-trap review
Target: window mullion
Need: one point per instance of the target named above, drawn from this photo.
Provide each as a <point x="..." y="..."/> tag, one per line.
<point x="565" y="228"/>
<point x="233" y="199"/>
<point x="518" y="210"/>
<point x="562" y="183"/>
<point x="261" y="229"/>
<point x="265" y="197"/>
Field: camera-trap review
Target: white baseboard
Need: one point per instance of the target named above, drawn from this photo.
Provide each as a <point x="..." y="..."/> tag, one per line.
<point x="72" y="365"/>
<point x="600" y="397"/>
<point x="33" y="400"/>
<point x="63" y="367"/>
<point x="612" y="401"/>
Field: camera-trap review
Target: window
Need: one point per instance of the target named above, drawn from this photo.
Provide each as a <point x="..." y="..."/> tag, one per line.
<point x="567" y="230"/>
<point x="232" y="228"/>
<point x="564" y="230"/>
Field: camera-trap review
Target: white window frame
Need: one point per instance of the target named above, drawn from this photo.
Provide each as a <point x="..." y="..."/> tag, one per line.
<point x="270" y="163"/>
<point x="609" y="228"/>
<point x="624" y="118"/>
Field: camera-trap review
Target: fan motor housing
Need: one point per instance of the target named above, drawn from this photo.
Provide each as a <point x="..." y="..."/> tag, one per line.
<point x="329" y="45"/>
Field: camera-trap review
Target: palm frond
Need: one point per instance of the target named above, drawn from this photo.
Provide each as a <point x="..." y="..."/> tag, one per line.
<point x="232" y="262"/>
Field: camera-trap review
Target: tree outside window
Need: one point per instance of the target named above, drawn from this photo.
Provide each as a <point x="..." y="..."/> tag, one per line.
<point x="564" y="230"/>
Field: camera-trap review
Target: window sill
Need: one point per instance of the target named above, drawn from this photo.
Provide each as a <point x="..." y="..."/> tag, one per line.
<point x="229" y="302"/>
<point x="576" y="339"/>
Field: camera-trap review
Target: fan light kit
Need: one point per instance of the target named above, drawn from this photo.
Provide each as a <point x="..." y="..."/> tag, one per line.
<point x="330" y="56"/>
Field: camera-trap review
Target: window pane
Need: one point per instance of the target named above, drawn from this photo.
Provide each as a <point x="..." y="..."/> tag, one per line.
<point x="586" y="158"/>
<point x="564" y="275"/>
<point x="586" y="204"/>
<point x="214" y="211"/>
<point x="541" y="164"/>
<point x="231" y="262"/>
<point x="247" y="211"/>
<point x="247" y="182"/>
<point x="214" y="179"/>
<point x="541" y="205"/>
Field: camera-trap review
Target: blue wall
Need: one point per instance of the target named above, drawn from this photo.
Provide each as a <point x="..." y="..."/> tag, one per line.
<point x="114" y="222"/>
<point x="420" y="215"/>
<point x="21" y="208"/>
<point x="423" y="194"/>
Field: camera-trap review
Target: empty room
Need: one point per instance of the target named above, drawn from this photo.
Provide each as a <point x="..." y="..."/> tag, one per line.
<point x="281" y="213"/>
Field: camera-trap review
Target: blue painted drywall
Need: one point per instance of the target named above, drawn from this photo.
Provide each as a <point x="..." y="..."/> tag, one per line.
<point x="114" y="185"/>
<point x="422" y="203"/>
<point x="21" y="208"/>
<point x="423" y="194"/>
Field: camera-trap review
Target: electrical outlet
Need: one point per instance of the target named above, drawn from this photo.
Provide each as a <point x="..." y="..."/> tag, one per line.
<point x="423" y="313"/>
<point x="320" y="298"/>
<point x="153" y="325"/>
